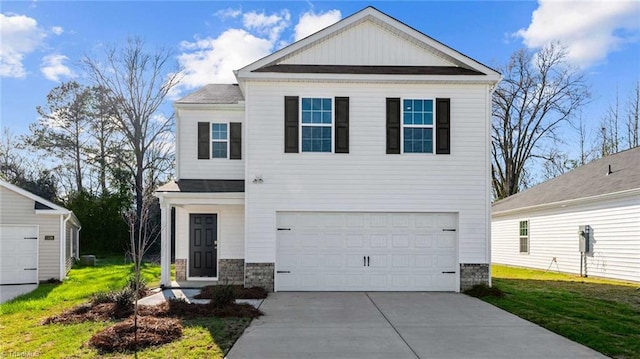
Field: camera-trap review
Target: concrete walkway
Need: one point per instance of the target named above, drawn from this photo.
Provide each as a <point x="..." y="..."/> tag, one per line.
<point x="9" y="292"/>
<point x="187" y="294"/>
<point x="395" y="325"/>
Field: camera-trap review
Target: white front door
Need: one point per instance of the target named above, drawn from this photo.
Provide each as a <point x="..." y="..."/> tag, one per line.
<point x="18" y="254"/>
<point x="364" y="251"/>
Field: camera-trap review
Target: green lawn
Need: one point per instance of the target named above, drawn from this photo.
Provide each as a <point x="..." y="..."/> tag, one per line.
<point x="601" y="314"/>
<point x="23" y="335"/>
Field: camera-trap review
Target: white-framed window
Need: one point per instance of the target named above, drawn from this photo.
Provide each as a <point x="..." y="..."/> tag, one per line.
<point x="524" y="237"/>
<point x="219" y="140"/>
<point x="417" y="125"/>
<point x="316" y="124"/>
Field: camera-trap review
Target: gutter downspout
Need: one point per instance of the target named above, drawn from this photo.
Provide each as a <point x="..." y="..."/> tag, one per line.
<point x="63" y="244"/>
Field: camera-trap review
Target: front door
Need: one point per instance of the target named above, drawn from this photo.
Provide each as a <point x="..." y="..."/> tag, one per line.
<point x="203" y="244"/>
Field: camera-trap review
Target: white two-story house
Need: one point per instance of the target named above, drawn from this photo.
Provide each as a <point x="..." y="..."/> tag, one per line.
<point x="354" y="159"/>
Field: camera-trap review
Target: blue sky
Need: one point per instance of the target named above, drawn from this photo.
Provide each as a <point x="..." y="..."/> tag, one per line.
<point x="43" y="41"/>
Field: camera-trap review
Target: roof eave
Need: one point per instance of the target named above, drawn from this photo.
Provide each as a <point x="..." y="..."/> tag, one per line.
<point x="274" y="76"/>
<point x="569" y="202"/>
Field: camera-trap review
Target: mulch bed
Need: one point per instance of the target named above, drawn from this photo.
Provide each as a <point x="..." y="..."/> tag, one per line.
<point x="151" y="331"/>
<point x="241" y="292"/>
<point x="169" y="309"/>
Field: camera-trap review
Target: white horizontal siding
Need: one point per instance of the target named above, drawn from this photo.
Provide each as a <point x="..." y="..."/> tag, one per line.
<point x="230" y="229"/>
<point x="366" y="179"/>
<point x="554" y="233"/>
<point x="17" y="209"/>
<point x="366" y="43"/>
<point x="189" y="166"/>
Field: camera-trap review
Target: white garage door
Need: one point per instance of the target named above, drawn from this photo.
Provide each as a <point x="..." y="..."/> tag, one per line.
<point x="18" y="254"/>
<point x="366" y="251"/>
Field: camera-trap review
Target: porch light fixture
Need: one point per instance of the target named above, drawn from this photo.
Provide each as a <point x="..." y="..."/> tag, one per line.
<point x="258" y="179"/>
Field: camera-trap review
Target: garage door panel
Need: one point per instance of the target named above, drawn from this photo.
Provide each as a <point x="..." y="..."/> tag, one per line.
<point x="329" y="251"/>
<point x="18" y="254"/>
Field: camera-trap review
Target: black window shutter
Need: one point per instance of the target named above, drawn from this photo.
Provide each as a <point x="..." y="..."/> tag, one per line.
<point x="443" y="126"/>
<point x="342" y="124"/>
<point x="235" y="140"/>
<point x="291" y="124"/>
<point x="203" y="141"/>
<point x="393" y="125"/>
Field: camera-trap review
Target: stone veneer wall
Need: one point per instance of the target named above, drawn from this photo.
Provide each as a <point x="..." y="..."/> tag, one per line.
<point x="231" y="271"/>
<point x="181" y="270"/>
<point x="472" y="274"/>
<point x="259" y="275"/>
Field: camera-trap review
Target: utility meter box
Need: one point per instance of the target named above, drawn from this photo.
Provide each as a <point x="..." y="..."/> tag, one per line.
<point x="584" y="238"/>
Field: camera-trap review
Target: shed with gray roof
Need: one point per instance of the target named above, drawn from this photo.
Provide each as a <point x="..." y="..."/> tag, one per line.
<point x="539" y="227"/>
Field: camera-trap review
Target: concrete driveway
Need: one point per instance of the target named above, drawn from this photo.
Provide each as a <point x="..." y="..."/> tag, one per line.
<point x="8" y="292"/>
<point x="395" y="325"/>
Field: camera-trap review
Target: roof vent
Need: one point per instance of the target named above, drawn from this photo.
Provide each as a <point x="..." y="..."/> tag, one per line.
<point x="609" y="171"/>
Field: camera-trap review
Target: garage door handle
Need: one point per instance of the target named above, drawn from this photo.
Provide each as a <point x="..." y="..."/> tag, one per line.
<point x="451" y="272"/>
<point x="283" y="271"/>
<point x="448" y="229"/>
<point x="30" y="237"/>
<point x="368" y="261"/>
<point x="284" y="229"/>
<point x="31" y="269"/>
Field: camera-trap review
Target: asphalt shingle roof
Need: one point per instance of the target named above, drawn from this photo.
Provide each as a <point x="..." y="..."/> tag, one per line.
<point x="589" y="180"/>
<point x="201" y="185"/>
<point x="214" y="94"/>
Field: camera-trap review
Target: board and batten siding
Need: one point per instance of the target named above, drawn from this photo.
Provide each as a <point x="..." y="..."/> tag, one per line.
<point x="17" y="209"/>
<point x="367" y="179"/>
<point x="230" y="229"/>
<point x="554" y="234"/>
<point x="189" y="166"/>
<point x="366" y="43"/>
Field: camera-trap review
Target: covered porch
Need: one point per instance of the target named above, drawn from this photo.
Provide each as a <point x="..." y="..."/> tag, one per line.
<point x="209" y="232"/>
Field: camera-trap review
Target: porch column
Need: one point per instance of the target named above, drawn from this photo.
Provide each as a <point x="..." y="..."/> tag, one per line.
<point x="165" y="243"/>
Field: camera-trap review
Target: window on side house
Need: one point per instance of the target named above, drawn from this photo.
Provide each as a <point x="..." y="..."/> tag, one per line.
<point x="417" y="126"/>
<point x="316" y="124"/>
<point x="524" y="236"/>
<point x="219" y="140"/>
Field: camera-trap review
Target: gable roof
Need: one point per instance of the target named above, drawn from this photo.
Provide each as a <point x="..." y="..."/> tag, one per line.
<point x="590" y="180"/>
<point x="40" y="203"/>
<point x="259" y="69"/>
<point x="221" y="94"/>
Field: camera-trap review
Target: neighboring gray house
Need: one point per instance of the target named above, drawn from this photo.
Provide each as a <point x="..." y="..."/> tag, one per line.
<point x="538" y="228"/>
<point x="354" y="159"/>
<point x="38" y="239"/>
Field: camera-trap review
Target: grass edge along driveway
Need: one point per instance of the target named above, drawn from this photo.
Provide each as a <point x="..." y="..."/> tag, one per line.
<point x="23" y="335"/>
<point x="599" y="313"/>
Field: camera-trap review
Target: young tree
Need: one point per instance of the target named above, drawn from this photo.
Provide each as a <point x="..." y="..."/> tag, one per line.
<point x="609" y="135"/>
<point x="137" y="83"/>
<point x="539" y="93"/>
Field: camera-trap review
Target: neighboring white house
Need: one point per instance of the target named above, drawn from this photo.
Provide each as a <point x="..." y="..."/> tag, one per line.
<point x="539" y="227"/>
<point x="38" y="239"/>
<point x="354" y="159"/>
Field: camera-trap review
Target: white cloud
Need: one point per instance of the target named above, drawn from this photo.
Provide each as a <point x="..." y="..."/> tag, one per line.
<point x="270" y="25"/>
<point x="58" y="30"/>
<point x="589" y="29"/>
<point x="53" y="67"/>
<point x="212" y="60"/>
<point x="228" y="13"/>
<point x="20" y="36"/>
<point x="311" y="22"/>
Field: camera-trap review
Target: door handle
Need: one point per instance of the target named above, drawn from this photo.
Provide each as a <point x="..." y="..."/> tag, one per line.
<point x="449" y="272"/>
<point x="364" y="261"/>
<point x="368" y="261"/>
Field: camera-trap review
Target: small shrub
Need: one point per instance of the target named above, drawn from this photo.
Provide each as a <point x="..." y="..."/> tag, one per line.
<point x="241" y="292"/>
<point x="103" y="297"/>
<point x="483" y="290"/>
<point x="223" y="295"/>
<point x="142" y="288"/>
<point x="124" y="298"/>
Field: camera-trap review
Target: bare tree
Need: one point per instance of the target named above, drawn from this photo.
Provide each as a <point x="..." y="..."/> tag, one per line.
<point x="539" y="93"/>
<point x="633" y="112"/>
<point x="609" y="135"/>
<point x="138" y="83"/>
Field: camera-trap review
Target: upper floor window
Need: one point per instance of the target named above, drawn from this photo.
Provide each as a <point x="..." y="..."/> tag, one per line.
<point x="524" y="237"/>
<point x="316" y="124"/>
<point x="219" y="140"/>
<point x="417" y="126"/>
